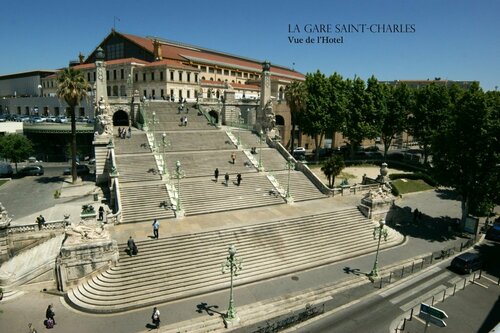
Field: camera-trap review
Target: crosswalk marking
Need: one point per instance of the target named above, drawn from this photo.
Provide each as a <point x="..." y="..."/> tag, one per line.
<point x="439" y="289"/>
<point x="419" y="288"/>
<point x="409" y="282"/>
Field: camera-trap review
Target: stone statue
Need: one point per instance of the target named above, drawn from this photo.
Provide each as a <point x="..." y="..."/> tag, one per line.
<point x="4" y="216"/>
<point x="104" y="122"/>
<point x="83" y="232"/>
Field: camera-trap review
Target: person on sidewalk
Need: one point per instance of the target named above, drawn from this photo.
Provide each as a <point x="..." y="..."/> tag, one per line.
<point x="101" y="213"/>
<point x="238" y="179"/>
<point x="216" y="174"/>
<point x="129" y="132"/>
<point x="40" y="220"/>
<point x="155" y="317"/>
<point x="156" y="227"/>
<point x="132" y="247"/>
<point x="233" y="157"/>
<point x="50" y="315"/>
<point x="226" y="178"/>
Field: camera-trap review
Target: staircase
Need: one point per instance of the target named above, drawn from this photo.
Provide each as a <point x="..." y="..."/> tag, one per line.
<point x="186" y="265"/>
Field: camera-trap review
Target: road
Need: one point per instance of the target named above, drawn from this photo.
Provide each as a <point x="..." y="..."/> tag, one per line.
<point x="475" y="309"/>
<point x="31" y="194"/>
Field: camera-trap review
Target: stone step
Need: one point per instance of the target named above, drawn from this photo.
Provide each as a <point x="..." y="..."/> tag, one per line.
<point x="301" y="189"/>
<point x="145" y="201"/>
<point x="195" y="141"/>
<point x="179" y="277"/>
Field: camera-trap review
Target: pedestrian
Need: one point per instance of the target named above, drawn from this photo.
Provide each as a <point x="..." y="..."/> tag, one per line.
<point x="129" y="132"/>
<point x="124" y="132"/>
<point x="156" y="227"/>
<point x="132" y="247"/>
<point x="182" y="121"/>
<point x="415" y="215"/>
<point x="40" y="220"/>
<point x="233" y="156"/>
<point x="226" y="178"/>
<point x="216" y="174"/>
<point x="50" y="316"/>
<point x="155" y="317"/>
<point x="101" y="213"/>
<point x="119" y="132"/>
<point x="185" y="120"/>
<point x="238" y="179"/>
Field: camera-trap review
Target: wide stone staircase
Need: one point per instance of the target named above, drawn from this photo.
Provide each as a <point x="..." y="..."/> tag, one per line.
<point x="181" y="266"/>
<point x="148" y="192"/>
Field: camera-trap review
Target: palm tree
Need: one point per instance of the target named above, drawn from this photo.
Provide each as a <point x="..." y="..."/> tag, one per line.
<point x="332" y="168"/>
<point x="295" y="96"/>
<point x="72" y="88"/>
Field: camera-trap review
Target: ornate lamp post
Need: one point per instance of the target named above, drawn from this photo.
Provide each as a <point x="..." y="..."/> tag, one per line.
<point x="233" y="265"/>
<point x="239" y="127"/>
<point x="179" y="173"/>
<point x="289" y="165"/>
<point x="261" y="167"/>
<point x="153" y="125"/>
<point x="164" y="143"/>
<point x="379" y="231"/>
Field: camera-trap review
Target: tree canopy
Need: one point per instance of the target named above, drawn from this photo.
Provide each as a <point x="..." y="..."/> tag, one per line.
<point x="15" y="147"/>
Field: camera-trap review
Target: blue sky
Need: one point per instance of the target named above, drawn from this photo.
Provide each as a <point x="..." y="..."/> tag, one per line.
<point x="453" y="39"/>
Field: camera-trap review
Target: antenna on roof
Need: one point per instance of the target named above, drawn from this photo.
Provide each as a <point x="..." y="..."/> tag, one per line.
<point x="114" y="21"/>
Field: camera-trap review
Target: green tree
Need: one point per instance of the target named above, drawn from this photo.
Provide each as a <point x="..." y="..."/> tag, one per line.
<point x="394" y="118"/>
<point x="295" y="96"/>
<point x="431" y="108"/>
<point x="15" y="147"/>
<point x="332" y="168"/>
<point x="72" y="88"/>
<point x="314" y="120"/>
<point x="337" y="104"/>
<point x="466" y="153"/>
<point x="361" y="119"/>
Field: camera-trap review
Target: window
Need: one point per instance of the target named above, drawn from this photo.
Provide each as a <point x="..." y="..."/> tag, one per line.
<point x="161" y="76"/>
<point x="188" y="76"/>
<point x="114" y="51"/>
<point x="81" y="112"/>
<point x="226" y="72"/>
<point x="143" y="76"/>
<point x="180" y="93"/>
<point x="123" y="92"/>
<point x="56" y="110"/>
<point x="172" y="93"/>
<point x="122" y="74"/>
<point x="107" y="75"/>
<point x="196" y="77"/>
<point x="189" y="94"/>
<point x="162" y="93"/>
<point x="203" y="68"/>
<point x="171" y="75"/>
<point x="93" y="75"/>
<point x="211" y="70"/>
<point x="88" y="76"/>
<point x="153" y="93"/>
<point x="245" y="74"/>
<point x="152" y="76"/>
<point x="203" y="78"/>
<point x="219" y="71"/>
<point x="114" y="74"/>
<point x="115" y="90"/>
<point x="136" y="77"/>
<point x="180" y="76"/>
<point x="145" y="93"/>
<point x="109" y="90"/>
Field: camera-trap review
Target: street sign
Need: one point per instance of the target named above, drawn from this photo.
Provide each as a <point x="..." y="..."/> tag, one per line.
<point x="430" y="319"/>
<point x="433" y="311"/>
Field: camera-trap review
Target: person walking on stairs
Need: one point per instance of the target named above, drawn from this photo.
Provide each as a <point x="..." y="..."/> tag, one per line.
<point x="226" y="178"/>
<point x="156" y="227"/>
<point x="238" y="179"/>
<point x="216" y="174"/>
<point x="233" y="157"/>
<point x="132" y="247"/>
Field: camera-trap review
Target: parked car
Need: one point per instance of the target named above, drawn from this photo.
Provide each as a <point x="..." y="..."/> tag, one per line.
<point x="466" y="263"/>
<point x="61" y="119"/>
<point x="51" y="119"/>
<point x="81" y="170"/>
<point x="5" y="170"/>
<point x="493" y="233"/>
<point x="31" y="170"/>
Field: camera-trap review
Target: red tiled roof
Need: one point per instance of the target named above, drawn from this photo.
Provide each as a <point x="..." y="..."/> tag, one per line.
<point x="182" y="53"/>
<point x="172" y="64"/>
<point x="244" y="86"/>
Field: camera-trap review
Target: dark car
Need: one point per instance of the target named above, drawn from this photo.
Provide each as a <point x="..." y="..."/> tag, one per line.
<point x="81" y="170"/>
<point x="466" y="263"/>
<point x="493" y="233"/>
<point x="31" y="170"/>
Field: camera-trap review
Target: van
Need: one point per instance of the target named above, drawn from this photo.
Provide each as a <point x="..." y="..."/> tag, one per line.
<point x="466" y="263"/>
<point x="5" y="170"/>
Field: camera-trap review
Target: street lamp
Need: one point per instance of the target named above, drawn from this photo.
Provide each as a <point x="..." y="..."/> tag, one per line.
<point x="234" y="265"/>
<point x="261" y="167"/>
<point x="378" y="231"/>
<point x="179" y="173"/>
<point x="165" y="143"/>
<point x="289" y="165"/>
<point x="153" y="126"/>
<point x="239" y="127"/>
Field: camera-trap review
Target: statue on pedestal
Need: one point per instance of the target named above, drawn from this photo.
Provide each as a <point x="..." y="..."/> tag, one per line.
<point x="104" y="122"/>
<point x="4" y="215"/>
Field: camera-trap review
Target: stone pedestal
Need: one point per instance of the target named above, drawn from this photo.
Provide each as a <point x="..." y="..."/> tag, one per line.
<point x="376" y="204"/>
<point x="87" y="250"/>
<point x="4" y="242"/>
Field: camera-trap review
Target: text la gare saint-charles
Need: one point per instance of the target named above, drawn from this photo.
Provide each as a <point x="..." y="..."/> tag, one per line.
<point x="351" y="28"/>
